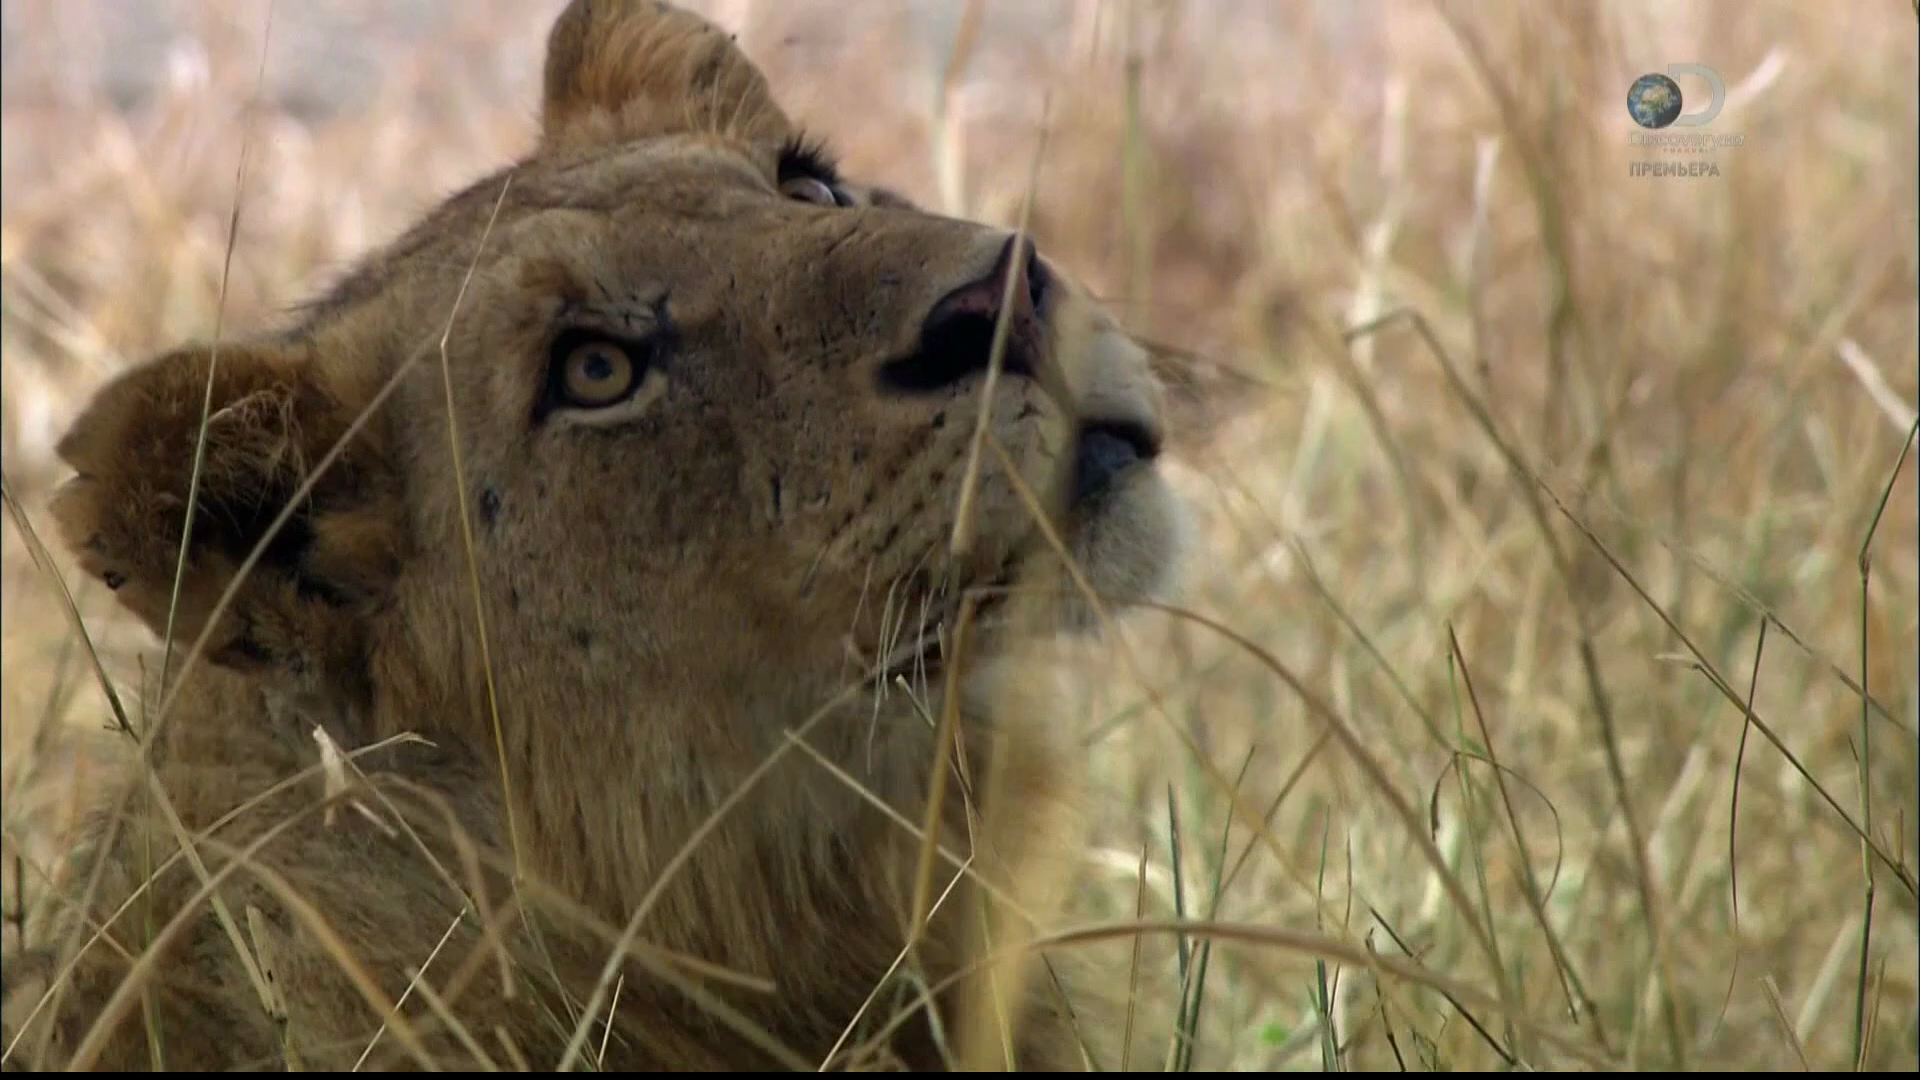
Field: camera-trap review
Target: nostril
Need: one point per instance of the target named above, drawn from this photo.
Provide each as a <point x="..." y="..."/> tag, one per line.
<point x="956" y="338"/>
<point x="951" y="350"/>
<point x="1039" y="281"/>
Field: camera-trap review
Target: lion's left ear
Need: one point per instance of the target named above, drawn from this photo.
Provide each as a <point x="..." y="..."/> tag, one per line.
<point x="305" y="602"/>
<point x="630" y="69"/>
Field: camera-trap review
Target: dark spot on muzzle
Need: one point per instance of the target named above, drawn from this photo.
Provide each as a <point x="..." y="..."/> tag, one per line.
<point x="1104" y="451"/>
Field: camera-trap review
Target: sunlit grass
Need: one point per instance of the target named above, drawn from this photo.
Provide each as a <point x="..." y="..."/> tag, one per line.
<point x="1546" y="450"/>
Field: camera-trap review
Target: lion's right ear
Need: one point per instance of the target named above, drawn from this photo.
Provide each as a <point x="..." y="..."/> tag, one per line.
<point x="618" y="70"/>
<point x="271" y="422"/>
<point x="1201" y="395"/>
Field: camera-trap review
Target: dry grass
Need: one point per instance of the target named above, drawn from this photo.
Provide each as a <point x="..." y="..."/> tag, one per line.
<point x="1510" y="570"/>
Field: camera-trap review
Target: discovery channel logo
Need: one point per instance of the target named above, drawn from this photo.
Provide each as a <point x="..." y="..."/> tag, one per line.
<point x="1654" y="100"/>
<point x="1659" y="108"/>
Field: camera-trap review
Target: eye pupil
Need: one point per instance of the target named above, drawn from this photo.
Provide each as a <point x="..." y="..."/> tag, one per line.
<point x="595" y="372"/>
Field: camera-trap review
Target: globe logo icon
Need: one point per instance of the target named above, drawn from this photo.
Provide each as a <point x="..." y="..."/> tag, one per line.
<point x="1654" y="101"/>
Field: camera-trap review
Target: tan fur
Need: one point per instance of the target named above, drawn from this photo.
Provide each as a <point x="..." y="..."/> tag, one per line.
<point x="665" y="600"/>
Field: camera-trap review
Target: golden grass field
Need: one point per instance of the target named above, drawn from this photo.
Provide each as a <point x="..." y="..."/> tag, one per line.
<point x="1544" y="550"/>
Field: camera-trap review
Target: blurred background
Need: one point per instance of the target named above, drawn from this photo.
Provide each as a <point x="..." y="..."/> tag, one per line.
<point x="1545" y="471"/>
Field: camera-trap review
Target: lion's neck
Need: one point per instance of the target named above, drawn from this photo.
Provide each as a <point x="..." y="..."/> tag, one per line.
<point x="798" y="865"/>
<point x="728" y="820"/>
<point x="730" y="850"/>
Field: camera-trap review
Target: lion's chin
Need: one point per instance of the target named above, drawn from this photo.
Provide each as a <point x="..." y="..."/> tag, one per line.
<point x="1127" y="542"/>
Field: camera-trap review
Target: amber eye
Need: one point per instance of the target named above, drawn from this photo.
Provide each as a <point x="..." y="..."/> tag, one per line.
<point x="812" y="189"/>
<point x="596" y="373"/>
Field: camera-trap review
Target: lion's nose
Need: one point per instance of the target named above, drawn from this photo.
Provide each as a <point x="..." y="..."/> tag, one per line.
<point x="956" y="338"/>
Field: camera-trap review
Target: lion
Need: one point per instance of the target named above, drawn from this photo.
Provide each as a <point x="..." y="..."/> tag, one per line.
<point x="597" y="633"/>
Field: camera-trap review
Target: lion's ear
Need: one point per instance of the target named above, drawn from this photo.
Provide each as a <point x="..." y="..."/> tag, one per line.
<point x="630" y="69"/>
<point x="1201" y="395"/>
<point x="271" y="421"/>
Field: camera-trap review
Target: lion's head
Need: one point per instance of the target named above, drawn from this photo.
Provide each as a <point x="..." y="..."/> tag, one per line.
<point x="713" y="408"/>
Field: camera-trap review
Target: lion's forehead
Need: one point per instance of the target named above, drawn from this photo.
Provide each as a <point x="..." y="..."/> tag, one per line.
<point x="655" y="188"/>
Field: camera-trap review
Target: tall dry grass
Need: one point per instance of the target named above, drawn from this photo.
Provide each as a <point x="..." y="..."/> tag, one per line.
<point x="1544" y="560"/>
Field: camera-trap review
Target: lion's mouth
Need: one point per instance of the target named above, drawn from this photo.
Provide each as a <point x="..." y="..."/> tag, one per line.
<point x="920" y="654"/>
<point x="921" y="648"/>
<point x="1104" y="451"/>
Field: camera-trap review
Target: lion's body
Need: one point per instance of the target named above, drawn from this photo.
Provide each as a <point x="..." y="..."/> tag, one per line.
<point x="572" y="633"/>
<point x="807" y="906"/>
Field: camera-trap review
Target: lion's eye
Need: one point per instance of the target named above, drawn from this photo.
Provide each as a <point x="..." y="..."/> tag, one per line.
<point x="597" y="373"/>
<point x="812" y="189"/>
<point x="598" y="378"/>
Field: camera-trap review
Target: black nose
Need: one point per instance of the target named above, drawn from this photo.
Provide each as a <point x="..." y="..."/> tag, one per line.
<point x="1104" y="451"/>
<point x="956" y="339"/>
